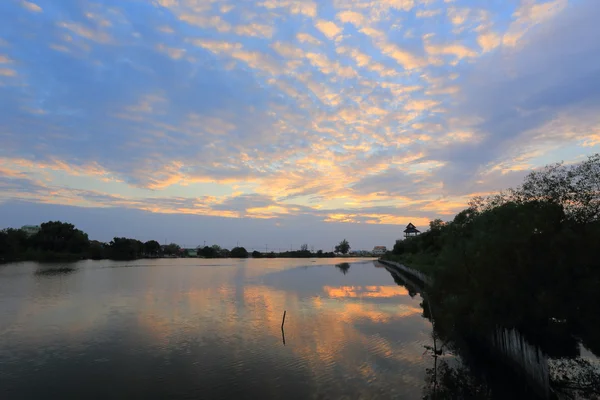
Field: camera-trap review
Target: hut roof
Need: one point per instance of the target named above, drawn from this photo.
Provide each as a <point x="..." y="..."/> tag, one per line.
<point x="410" y="228"/>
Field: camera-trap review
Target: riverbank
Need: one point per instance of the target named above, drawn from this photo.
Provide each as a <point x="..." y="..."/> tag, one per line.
<point x="524" y="260"/>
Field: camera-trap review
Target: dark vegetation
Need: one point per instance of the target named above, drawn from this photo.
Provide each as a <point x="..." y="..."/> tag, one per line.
<point x="343" y="247"/>
<point x="343" y="267"/>
<point x="59" y="241"/>
<point x="526" y="258"/>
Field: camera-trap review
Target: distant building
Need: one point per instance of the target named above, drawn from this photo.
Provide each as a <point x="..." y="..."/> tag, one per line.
<point x="379" y="250"/>
<point x="411" y="230"/>
<point x="30" y="230"/>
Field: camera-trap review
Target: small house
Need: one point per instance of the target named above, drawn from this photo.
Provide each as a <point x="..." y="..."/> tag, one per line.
<point x="379" y="250"/>
<point x="411" y="230"/>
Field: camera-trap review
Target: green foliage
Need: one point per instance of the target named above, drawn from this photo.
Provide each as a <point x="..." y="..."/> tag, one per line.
<point x="343" y="247"/>
<point x="239" y="252"/>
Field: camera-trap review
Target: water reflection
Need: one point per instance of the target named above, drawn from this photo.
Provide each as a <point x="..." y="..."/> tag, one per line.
<point x="188" y="330"/>
<point x="53" y="271"/>
<point x="344" y="267"/>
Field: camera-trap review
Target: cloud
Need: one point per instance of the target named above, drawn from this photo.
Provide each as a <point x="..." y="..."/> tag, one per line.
<point x="351" y="17"/>
<point x="306" y="38"/>
<point x="7" y="72"/>
<point x="428" y="13"/>
<point x="88" y="33"/>
<point x="255" y="30"/>
<point x="458" y="50"/>
<point x="529" y="14"/>
<point x="458" y="16"/>
<point x="489" y="41"/>
<point x="328" y="28"/>
<point x="510" y="97"/>
<point x="174" y="53"/>
<point x="243" y="110"/>
<point x="31" y="6"/>
<point x="304" y="7"/>
<point x="328" y="67"/>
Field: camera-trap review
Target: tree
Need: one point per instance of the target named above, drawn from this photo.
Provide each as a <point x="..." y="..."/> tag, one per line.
<point x="125" y="249"/>
<point x="304" y="247"/>
<point x="575" y="187"/>
<point x="172" y="249"/>
<point x="343" y="247"/>
<point x="399" y="247"/>
<point x="239" y="252"/>
<point x="208" y="252"/>
<point x="224" y="253"/>
<point x="59" y="237"/>
<point x="436" y="225"/>
<point x="13" y="242"/>
<point x="152" y="248"/>
<point x="256" y="254"/>
<point x="97" y="250"/>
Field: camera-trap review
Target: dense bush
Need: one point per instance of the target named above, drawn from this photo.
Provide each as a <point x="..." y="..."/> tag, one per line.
<point x="520" y="258"/>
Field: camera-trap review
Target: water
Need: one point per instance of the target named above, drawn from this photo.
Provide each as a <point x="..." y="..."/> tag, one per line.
<point x="198" y="329"/>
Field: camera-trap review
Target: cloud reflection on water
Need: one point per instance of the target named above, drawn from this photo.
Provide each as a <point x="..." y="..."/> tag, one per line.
<point x="229" y="318"/>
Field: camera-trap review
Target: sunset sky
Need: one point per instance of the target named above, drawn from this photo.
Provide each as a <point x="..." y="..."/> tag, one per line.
<point x="281" y="122"/>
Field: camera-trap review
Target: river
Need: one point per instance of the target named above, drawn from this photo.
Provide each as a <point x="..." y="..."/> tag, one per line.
<point x="203" y="329"/>
<point x="194" y="328"/>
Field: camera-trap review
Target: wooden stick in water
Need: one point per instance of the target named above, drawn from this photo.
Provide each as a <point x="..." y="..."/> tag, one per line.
<point x="283" y="322"/>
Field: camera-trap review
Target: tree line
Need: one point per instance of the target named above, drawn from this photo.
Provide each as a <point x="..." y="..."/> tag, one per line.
<point x="60" y="241"/>
<point x="57" y="240"/>
<point x="524" y="258"/>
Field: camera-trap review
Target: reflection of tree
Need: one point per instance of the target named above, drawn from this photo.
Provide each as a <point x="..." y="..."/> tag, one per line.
<point x="54" y="271"/>
<point x="446" y="382"/>
<point x="575" y="378"/>
<point x="344" y="267"/>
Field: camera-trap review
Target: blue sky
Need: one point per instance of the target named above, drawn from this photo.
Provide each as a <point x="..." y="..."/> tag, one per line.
<point x="362" y="115"/>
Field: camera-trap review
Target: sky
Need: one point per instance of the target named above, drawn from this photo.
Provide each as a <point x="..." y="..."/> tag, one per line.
<point x="282" y="122"/>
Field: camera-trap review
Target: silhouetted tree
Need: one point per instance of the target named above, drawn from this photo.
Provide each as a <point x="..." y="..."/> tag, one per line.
<point x="13" y="243"/>
<point x="256" y="254"/>
<point x="125" y="249"/>
<point x="239" y="252"/>
<point x="209" y="252"/>
<point x="343" y="247"/>
<point x="58" y="237"/>
<point x="152" y="248"/>
<point x="97" y="250"/>
<point x="172" y="249"/>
